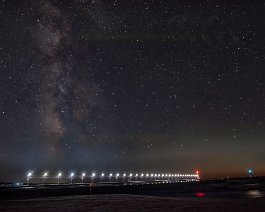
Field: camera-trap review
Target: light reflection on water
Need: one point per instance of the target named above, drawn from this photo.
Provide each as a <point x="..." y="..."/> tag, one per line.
<point x="254" y="194"/>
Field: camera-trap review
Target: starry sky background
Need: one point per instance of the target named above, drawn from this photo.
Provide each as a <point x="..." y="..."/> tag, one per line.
<point x="139" y="85"/>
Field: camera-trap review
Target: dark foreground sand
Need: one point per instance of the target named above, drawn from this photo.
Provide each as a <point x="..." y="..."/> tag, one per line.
<point x="125" y="202"/>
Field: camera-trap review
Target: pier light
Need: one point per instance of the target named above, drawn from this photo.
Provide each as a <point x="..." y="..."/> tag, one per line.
<point x="71" y="177"/>
<point x="250" y="172"/>
<point x="45" y="175"/>
<point x="110" y="176"/>
<point x="117" y="176"/>
<point x="93" y="175"/>
<point x="147" y="175"/>
<point x="59" y="175"/>
<point x="131" y="175"/>
<point x="152" y="175"/>
<point x="29" y="174"/>
<point x="124" y="175"/>
<point x="102" y="175"/>
<point x="83" y="176"/>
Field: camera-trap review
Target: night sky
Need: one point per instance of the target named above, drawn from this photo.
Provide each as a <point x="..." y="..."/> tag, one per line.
<point x="139" y="85"/>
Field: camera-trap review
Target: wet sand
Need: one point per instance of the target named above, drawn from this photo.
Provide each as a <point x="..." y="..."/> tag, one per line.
<point x="208" y="196"/>
<point x="127" y="202"/>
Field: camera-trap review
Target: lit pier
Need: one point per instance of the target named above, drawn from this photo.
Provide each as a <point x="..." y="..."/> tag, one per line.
<point x="111" y="177"/>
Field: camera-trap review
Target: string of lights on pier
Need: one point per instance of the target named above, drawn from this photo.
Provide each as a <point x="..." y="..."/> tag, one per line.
<point x="111" y="176"/>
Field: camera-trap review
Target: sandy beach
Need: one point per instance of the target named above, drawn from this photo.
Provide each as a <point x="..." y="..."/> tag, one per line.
<point x="126" y="202"/>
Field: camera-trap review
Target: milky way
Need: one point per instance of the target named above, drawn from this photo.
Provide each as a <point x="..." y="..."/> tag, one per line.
<point x="56" y="81"/>
<point x="66" y="98"/>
